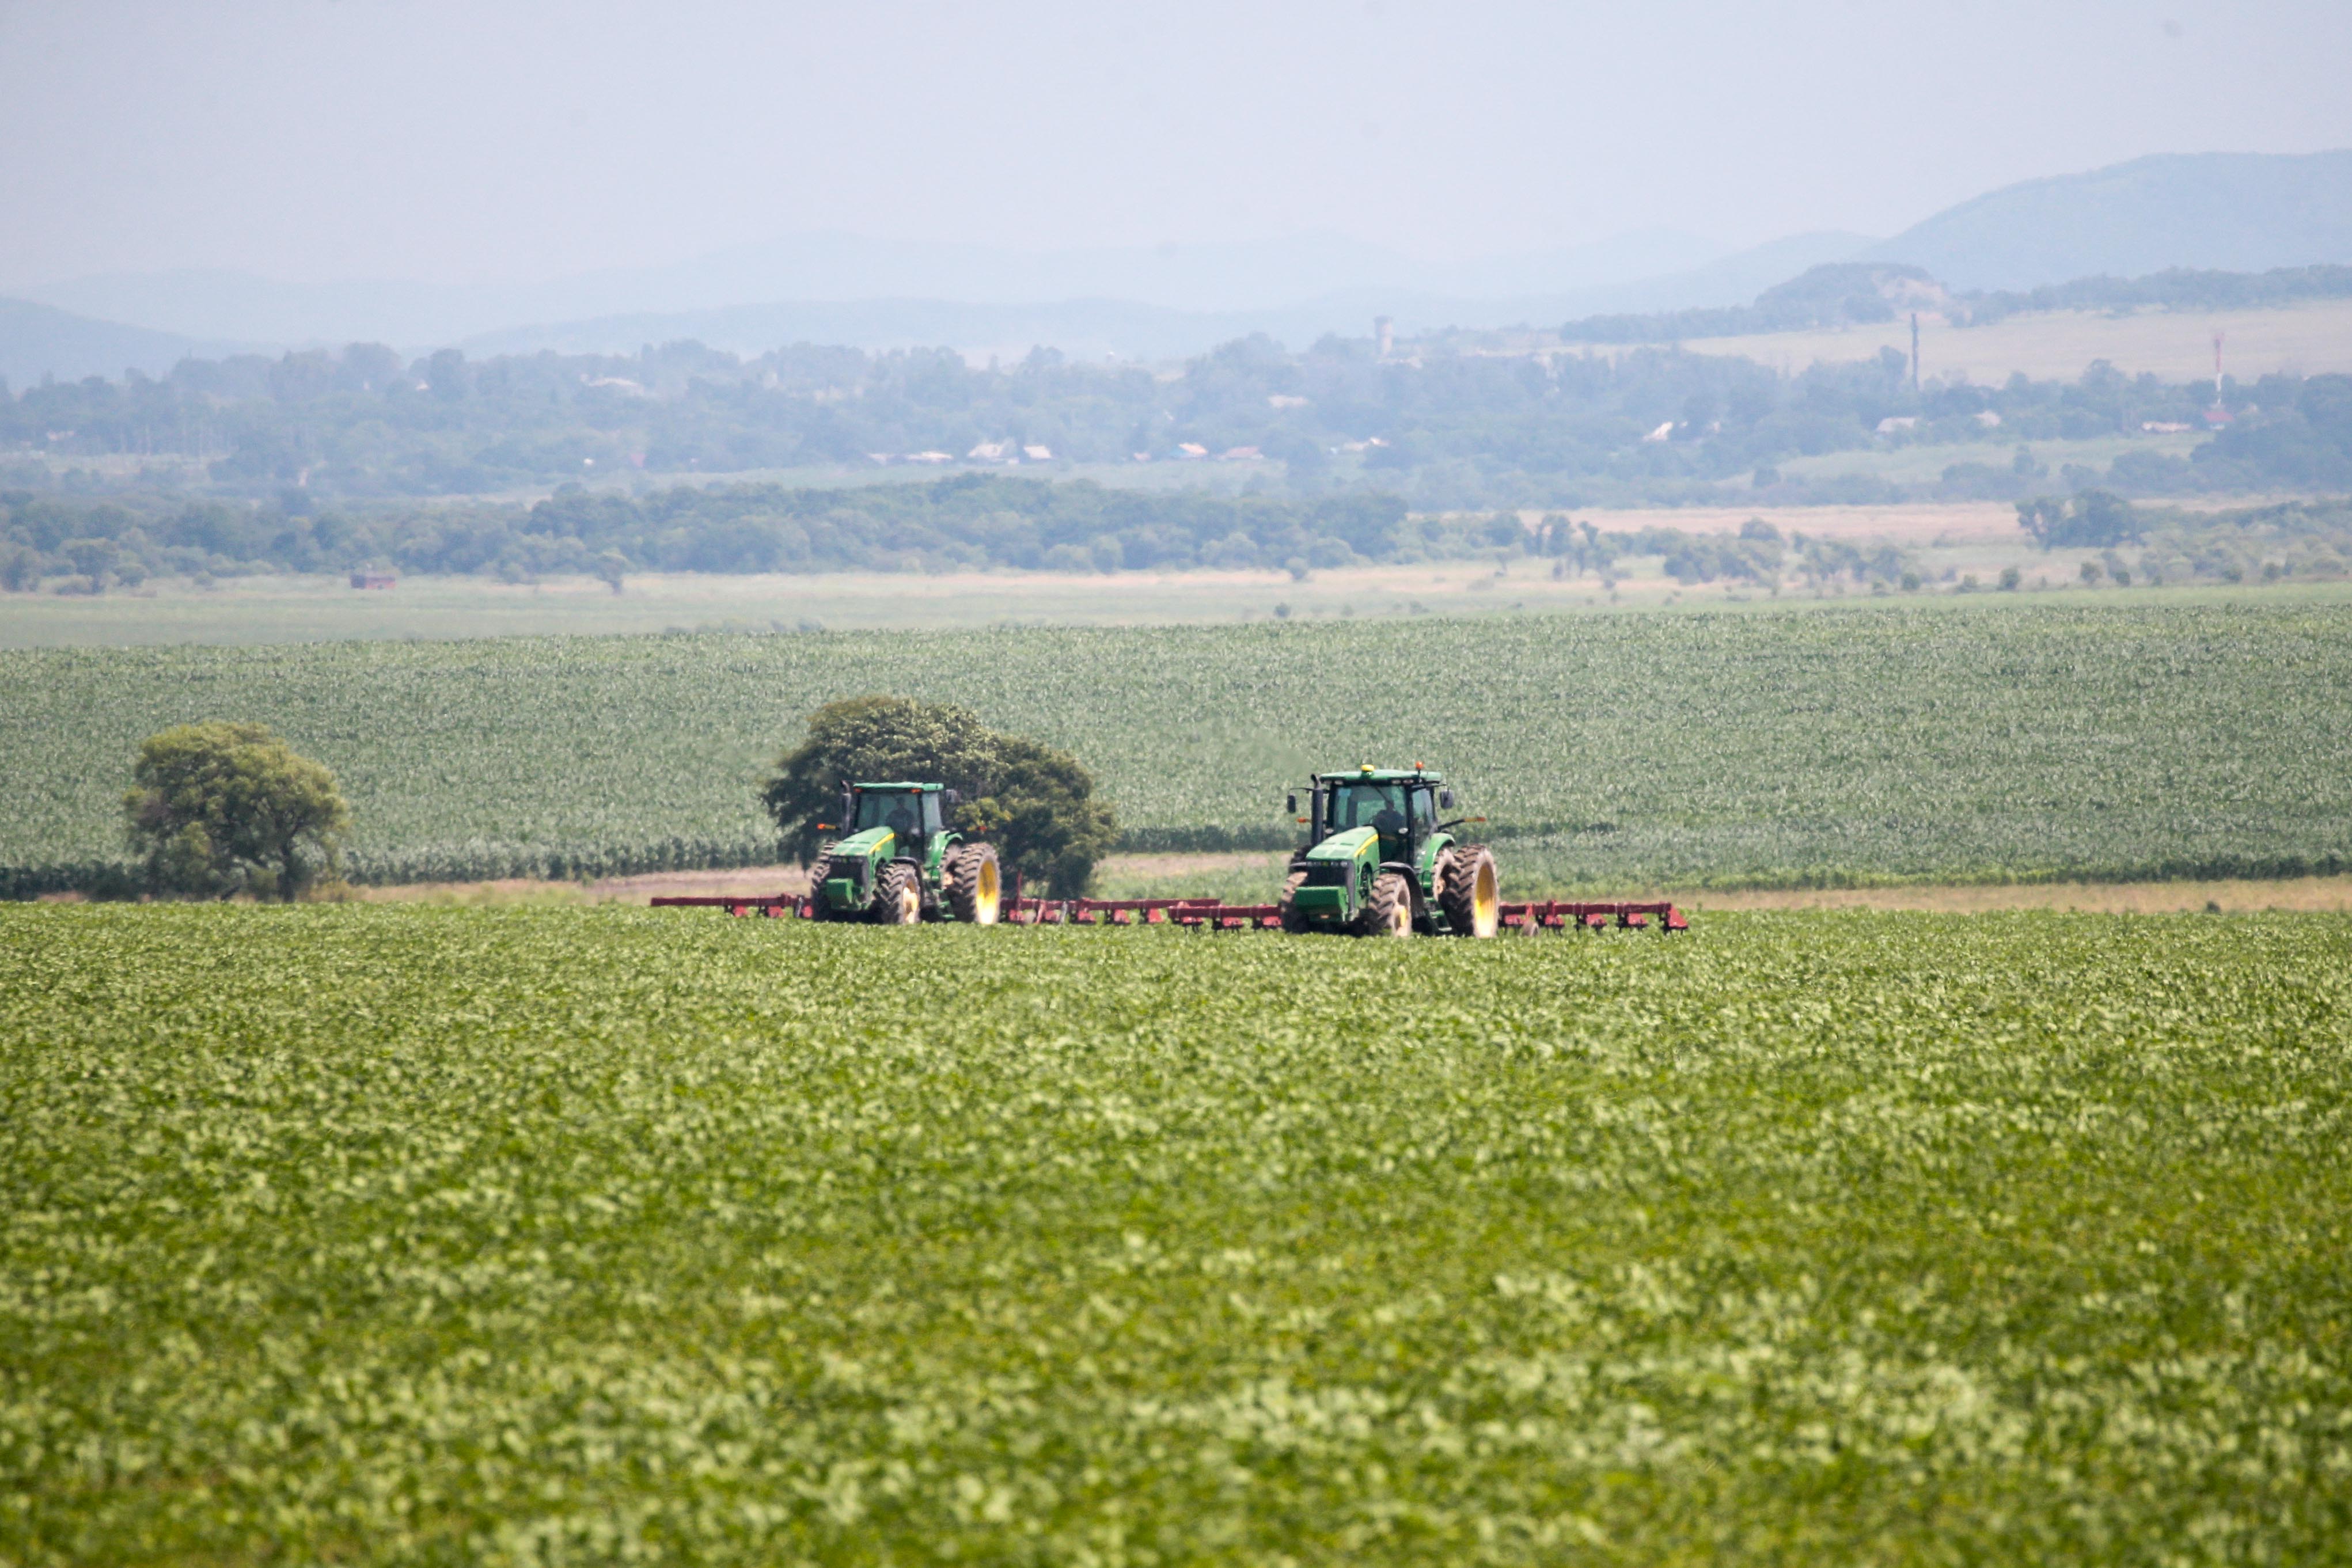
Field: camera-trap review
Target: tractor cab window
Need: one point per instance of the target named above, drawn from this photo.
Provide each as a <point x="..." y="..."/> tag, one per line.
<point x="894" y="811"/>
<point x="1379" y="806"/>
<point x="931" y="824"/>
<point x="1424" y="810"/>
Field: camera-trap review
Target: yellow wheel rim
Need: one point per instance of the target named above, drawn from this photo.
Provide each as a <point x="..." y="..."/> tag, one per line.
<point x="990" y="894"/>
<point x="1485" y="904"/>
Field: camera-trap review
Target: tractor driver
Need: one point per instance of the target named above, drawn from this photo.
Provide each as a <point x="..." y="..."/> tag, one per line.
<point x="901" y="821"/>
<point x="1375" y="806"/>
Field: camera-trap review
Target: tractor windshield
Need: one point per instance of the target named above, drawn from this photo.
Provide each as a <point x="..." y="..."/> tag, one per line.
<point x="1378" y="806"/>
<point x="899" y="813"/>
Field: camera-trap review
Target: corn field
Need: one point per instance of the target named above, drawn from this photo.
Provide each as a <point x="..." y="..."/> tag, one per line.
<point x="1984" y="741"/>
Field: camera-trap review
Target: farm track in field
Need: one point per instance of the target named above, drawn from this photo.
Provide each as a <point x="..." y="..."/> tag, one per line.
<point x="1250" y="878"/>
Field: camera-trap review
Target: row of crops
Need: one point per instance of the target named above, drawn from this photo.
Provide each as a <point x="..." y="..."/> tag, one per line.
<point x="370" y="1234"/>
<point x="1929" y="741"/>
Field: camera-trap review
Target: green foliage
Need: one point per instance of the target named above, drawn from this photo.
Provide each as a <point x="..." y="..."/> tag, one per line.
<point x="1034" y="803"/>
<point x="373" y="1235"/>
<point x="327" y="443"/>
<point x="1977" y="737"/>
<point x="2090" y="519"/>
<point x="218" y="809"/>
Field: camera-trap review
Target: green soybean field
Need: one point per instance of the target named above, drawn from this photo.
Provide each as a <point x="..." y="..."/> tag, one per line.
<point x="373" y="1234"/>
<point x="1726" y="748"/>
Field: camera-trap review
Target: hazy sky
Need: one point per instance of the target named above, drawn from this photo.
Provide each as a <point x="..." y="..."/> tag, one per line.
<point x="512" y="139"/>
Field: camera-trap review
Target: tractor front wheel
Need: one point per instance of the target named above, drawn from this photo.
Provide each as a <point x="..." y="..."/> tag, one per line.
<point x="1387" y="912"/>
<point x="1469" y="891"/>
<point x="898" y="895"/>
<point x="819" y="874"/>
<point x="1292" y="921"/>
<point x="975" y="888"/>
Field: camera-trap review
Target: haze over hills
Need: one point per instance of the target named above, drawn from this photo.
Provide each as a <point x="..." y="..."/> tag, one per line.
<point x="38" y="340"/>
<point x="2230" y="211"/>
<point x="837" y="268"/>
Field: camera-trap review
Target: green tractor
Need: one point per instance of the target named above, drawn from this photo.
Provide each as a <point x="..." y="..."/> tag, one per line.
<point x="1378" y="863"/>
<point x="897" y="861"/>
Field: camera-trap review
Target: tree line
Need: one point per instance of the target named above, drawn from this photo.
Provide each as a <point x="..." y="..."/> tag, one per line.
<point x="1444" y="428"/>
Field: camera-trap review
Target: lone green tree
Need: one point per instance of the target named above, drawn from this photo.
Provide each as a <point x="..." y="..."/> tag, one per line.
<point x="1036" y="804"/>
<point x="221" y="809"/>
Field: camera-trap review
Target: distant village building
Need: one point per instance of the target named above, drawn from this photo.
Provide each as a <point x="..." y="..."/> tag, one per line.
<point x="1191" y="449"/>
<point x="1240" y="454"/>
<point x="930" y="457"/>
<point x="990" y="452"/>
<point x="2164" y="426"/>
<point x="372" y="579"/>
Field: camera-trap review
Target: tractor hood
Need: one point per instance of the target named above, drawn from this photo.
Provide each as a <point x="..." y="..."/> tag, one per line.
<point x="864" y="845"/>
<point x="1348" y="845"/>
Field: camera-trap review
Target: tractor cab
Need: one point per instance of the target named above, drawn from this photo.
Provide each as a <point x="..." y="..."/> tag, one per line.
<point x="1401" y="807"/>
<point x="911" y="811"/>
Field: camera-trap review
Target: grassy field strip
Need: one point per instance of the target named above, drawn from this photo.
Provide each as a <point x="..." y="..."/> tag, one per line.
<point x="397" y="1234"/>
<point x="1978" y="539"/>
<point x="2306" y="339"/>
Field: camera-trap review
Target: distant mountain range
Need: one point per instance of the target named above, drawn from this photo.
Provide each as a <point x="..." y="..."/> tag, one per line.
<point x="2229" y="211"/>
<point x="2244" y="211"/>
<point x="38" y="340"/>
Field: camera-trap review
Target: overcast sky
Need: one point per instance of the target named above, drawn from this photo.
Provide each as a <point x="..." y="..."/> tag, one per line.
<point x="512" y="139"/>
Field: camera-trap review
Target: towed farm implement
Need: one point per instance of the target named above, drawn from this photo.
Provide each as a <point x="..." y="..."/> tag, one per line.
<point x="1207" y="914"/>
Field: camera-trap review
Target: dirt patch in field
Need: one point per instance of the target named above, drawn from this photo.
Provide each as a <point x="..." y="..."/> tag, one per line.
<point x="751" y="881"/>
<point x="2327" y="894"/>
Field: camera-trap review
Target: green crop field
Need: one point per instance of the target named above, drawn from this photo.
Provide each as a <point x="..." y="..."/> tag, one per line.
<point x="362" y="1234"/>
<point x="1943" y="741"/>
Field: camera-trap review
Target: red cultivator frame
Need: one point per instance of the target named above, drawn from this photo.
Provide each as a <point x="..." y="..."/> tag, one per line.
<point x="1548" y="914"/>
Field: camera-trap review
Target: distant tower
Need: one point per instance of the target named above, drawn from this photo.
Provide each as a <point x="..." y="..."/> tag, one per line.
<point x="1914" y="353"/>
<point x="2217" y="369"/>
<point x="1384" y="330"/>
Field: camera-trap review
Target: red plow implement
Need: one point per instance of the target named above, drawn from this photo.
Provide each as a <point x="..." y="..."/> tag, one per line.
<point x="1207" y="914"/>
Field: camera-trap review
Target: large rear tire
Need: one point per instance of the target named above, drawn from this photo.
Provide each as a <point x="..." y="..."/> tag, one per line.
<point x="1292" y="921"/>
<point x="1469" y="891"/>
<point x="975" y="887"/>
<point x="1388" y="911"/>
<point x="898" y="895"/>
<point x="820" y="872"/>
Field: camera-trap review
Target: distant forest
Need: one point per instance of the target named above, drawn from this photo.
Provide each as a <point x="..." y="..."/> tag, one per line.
<point x="1444" y="431"/>
<point x="327" y="461"/>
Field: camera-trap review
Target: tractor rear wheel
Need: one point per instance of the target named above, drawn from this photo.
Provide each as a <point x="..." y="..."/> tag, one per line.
<point x="820" y="873"/>
<point x="898" y="895"/>
<point x="1388" y="911"/>
<point x="1469" y="891"/>
<point x="1292" y="921"/>
<point x="975" y="888"/>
